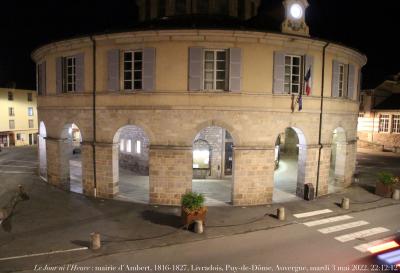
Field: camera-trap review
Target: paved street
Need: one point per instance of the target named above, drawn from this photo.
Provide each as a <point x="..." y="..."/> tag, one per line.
<point x="53" y="227"/>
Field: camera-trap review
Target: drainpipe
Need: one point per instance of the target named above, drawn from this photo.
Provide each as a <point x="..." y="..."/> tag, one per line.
<point x="94" y="115"/>
<point x="320" y="116"/>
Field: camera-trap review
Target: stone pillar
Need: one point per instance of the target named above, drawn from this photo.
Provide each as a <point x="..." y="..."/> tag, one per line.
<point x="307" y="167"/>
<point x="351" y="157"/>
<point x="253" y="176"/>
<point x="42" y="157"/>
<point x="87" y="169"/>
<point x="325" y="164"/>
<point x="170" y="171"/>
<point x="58" y="154"/>
<point x="106" y="169"/>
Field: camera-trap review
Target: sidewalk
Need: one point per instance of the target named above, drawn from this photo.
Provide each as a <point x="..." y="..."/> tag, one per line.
<point x="57" y="220"/>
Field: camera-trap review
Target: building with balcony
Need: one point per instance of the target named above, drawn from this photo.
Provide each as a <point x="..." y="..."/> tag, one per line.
<point x="18" y="117"/>
<point x="245" y="116"/>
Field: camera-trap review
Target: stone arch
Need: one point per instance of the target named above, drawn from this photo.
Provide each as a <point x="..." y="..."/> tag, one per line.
<point x="131" y="161"/>
<point x="42" y="151"/>
<point x="71" y="139"/>
<point x="337" y="160"/>
<point x="217" y="123"/>
<point x="213" y="164"/>
<point x="290" y="164"/>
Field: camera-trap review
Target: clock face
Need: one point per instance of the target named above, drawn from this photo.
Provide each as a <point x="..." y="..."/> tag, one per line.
<point x="296" y="11"/>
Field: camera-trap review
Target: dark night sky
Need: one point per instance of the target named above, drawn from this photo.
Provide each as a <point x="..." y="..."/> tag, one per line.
<point x="371" y="26"/>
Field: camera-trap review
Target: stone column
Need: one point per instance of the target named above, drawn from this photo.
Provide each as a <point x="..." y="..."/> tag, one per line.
<point x="307" y="167"/>
<point x="170" y="171"/>
<point x="253" y="175"/>
<point x="58" y="154"/>
<point x="351" y="157"/>
<point x="87" y="168"/>
<point x="325" y="164"/>
<point x="107" y="169"/>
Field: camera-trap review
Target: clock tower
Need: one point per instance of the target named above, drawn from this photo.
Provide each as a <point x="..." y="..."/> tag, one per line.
<point x="295" y="23"/>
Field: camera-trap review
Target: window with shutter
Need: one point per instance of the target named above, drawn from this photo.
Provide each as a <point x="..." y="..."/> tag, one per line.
<point x="133" y="70"/>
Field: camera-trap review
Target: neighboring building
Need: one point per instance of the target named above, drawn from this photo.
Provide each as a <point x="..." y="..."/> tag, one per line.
<point x="18" y="117"/>
<point x="165" y="110"/>
<point x="379" y="118"/>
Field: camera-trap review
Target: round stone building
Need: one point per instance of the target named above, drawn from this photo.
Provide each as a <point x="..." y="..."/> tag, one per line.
<point x="245" y="116"/>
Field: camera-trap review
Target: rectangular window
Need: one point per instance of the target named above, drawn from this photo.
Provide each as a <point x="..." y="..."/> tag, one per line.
<point x="215" y="71"/>
<point x="19" y="136"/>
<point x="396" y="124"/>
<point x="69" y="74"/>
<point x="11" y="112"/>
<point x="122" y="145"/>
<point x="11" y="124"/>
<point x="161" y="8"/>
<point x="30" y="111"/>
<point x="293" y="73"/>
<point x="129" y="146"/>
<point x="29" y="96"/>
<point x="341" y="80"/>
<point x="10" y="96"/>
<point x="30" y="123"/>
<point x="180" y="7"/>
<point x="384" y="123"/>
<point x="138" y="146"/>
<point x="133" y="70"/>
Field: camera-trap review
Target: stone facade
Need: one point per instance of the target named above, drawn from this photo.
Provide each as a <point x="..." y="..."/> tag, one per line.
<point x="172" y="116"/>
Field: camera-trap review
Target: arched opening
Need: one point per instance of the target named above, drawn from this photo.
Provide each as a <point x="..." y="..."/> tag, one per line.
<point x="213" y="165"/>
<point x="338" y="160"/>
<point x="42" y="151"/>
<point x="73" y="137"/>
<point x="133" y="164"/>
<point x="290" y="159"/>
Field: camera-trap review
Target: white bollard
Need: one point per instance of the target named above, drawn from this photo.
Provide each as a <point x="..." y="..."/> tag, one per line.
<point x="95" y="242"/>
<point x="396" y="194"/>
<point x="281" y="214"/>
<point x="198" y="227"/>
<point x="345" y="203"/>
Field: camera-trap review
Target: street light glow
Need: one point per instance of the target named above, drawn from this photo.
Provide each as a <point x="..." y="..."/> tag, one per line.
<point x="296" y="11"/>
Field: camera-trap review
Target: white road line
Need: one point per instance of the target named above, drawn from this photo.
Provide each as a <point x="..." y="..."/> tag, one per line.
<point x="16" y="166"/>
<point x="343" y="227"/>
<point x="328" y="220"/>
<point x="364" y="247"/>
<point x="312" y="213"/>
<point x="361" y="234"/>
<point x="42" y="254"/>
<point x="16" y="172"/>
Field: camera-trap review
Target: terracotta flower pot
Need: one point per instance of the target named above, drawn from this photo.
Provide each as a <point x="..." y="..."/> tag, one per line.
<point x="384" y="190"/>
<point x="188" y="217"/>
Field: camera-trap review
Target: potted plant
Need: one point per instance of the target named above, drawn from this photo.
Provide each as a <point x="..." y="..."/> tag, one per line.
<point x="193" y="208"/>
<point x="385" y="184"/>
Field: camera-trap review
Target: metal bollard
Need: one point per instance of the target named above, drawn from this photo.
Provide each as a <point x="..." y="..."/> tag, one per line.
<point x="345" y="203"/>
<point x="95" y="240"/>
<point x="396" y="194"/>
<point x="281" y="214"/>
<point x="198" y="227"/>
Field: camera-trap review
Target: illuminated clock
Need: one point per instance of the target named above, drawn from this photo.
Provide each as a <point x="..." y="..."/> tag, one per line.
<point x="295" y="22"/>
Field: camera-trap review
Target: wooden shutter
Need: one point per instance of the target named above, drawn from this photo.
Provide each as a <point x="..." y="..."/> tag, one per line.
<point x="59" y="75"/>
<point x="279" y="73"/>
<point x="351" y="82"/>
<point x="80" y="72"/>
<point x="113" y="70"/>
<point x="149" y="69"/>
<point x="195" y="68"/>
<point x="235" y="69"/>
<point x="335" y="79"/>
<point x="309" y="63"/>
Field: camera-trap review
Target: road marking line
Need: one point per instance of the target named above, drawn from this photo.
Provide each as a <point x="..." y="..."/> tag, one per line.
<point x="343" y="227"/>
<point x="44" y="253"/>
<point x="361" y="234"/>
<point x="16" y="166"/>
<point x="312" y="213"/>
<point x="364" y="247"/>
<point x="328" y="220"/>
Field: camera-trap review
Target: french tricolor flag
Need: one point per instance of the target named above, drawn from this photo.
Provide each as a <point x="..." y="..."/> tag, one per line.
<point x="307" y="79"/>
